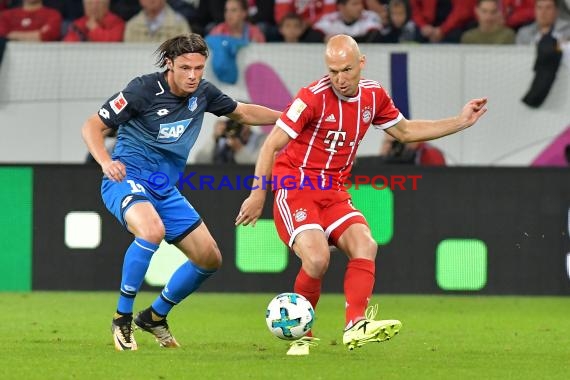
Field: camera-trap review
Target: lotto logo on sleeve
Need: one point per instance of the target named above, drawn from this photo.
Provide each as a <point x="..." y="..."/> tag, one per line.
<point x="104" y="113"/>
<point x="119" y="103"/>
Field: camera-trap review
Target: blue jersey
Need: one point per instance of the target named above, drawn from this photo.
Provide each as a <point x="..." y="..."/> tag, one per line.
<point x="157" y="129"/>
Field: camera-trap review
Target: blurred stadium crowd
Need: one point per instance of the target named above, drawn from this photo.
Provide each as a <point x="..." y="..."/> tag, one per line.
<point x="380" y="21"/>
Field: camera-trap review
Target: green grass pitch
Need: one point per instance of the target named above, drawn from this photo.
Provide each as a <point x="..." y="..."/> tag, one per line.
<point x="66" y="335"/>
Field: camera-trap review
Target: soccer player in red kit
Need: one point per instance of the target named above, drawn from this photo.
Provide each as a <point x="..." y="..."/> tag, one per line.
<point x="317" y="137"/>
<point x="31" y="22"/>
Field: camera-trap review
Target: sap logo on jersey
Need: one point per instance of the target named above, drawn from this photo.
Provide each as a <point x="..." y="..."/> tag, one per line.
<point x="171" y="132"/>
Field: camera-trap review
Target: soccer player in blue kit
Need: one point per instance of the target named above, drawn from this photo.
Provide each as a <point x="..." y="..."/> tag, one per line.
<point x="158" y="118"/>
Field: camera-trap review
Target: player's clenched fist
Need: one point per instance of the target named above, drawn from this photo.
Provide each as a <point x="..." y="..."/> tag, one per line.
<point x="114" y="170"/>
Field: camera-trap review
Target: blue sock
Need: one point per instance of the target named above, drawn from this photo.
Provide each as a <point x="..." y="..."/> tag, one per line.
<point x="135" y="264"/>
<point x="183" y="282"/>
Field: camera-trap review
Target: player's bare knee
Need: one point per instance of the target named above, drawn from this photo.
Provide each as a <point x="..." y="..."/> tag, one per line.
<point x="152" y="230"/>
<point x="316" y="265"/>
<point x="216" y="256"/>
<point x="367" y="249"/>
<point x="211" y="259"/>
<point x="371" y="248"/>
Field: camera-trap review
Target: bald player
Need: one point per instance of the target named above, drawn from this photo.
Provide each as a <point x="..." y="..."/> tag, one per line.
<point x="320" y="132"/>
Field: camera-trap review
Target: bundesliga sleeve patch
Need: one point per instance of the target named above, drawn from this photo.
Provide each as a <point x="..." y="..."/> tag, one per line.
<point x="297" y="107"/>
<point x="118" y="103"/>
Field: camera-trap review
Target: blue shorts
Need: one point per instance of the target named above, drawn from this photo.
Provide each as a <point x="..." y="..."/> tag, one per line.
<point x="177" y="214"/>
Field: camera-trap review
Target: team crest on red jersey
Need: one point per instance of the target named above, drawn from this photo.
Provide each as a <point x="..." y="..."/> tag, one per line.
<point x="300" y="215"/>
<point x="367" y="114"/>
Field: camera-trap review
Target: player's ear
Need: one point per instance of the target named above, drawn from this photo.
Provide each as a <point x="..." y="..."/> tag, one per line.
<point x="362" y="61"/>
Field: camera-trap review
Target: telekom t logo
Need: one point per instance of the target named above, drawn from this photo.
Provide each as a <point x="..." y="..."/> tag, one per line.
<point x="337" y="138"/>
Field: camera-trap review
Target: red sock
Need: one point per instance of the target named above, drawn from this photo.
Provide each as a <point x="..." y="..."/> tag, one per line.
<point x="358" y="286"/>
<point x="308" y="287"/>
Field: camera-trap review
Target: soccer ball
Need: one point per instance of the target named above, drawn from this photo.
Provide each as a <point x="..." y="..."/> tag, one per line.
<point x="289" y="316"/>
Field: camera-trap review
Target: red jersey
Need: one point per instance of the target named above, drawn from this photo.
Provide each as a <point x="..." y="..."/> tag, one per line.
<point x="310" y="10"/>
<point x="518" y="12"/>
<point x="326" y="129"/>
<point x="111" y="29"/>
<point x="46" y="20"/>
<point x="462" y="12"/>
<point x="429" y="155"/>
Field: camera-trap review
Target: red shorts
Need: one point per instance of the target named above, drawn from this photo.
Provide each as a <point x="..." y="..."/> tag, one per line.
<point x="330" y="211"/>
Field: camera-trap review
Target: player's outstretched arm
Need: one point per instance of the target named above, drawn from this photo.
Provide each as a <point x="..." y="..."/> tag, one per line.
<point x="252" y="207"/>
<point x="93" y="133"/>
<point x="407" y="131"/>
<point x="472" y="111"/>
<point x="254" y="114"/>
